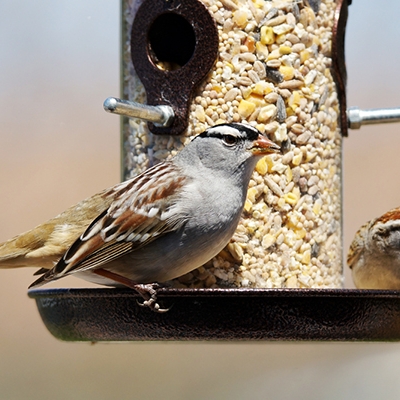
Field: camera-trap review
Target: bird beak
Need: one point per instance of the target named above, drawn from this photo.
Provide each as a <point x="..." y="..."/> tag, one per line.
<point x="263" y="146"/>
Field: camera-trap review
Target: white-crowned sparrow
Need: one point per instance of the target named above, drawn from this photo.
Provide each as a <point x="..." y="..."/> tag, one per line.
<point x="157" y="226"/>
<point x="374" y="254"/>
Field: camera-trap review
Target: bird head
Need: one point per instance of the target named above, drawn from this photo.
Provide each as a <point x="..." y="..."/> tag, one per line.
<point x="227" y="148"/>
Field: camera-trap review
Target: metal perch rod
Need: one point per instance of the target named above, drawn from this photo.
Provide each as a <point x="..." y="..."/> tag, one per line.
<point x="357" y="117"/>
<point x="160" y="115"/>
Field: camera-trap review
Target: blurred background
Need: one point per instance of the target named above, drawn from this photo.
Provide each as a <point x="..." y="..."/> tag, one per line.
<point x="59" y="60"/>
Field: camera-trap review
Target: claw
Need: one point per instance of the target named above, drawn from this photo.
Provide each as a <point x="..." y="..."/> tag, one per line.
<point x="153" y="305"/>
<point x="147" y="291"/>
<point x="149" y="294"/>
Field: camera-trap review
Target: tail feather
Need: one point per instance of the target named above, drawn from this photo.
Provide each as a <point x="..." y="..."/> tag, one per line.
<point x="30" y="249"/>
<point x="47" y="276"/>
<point x="41" y="271"/>
<point x="44" y="245"/>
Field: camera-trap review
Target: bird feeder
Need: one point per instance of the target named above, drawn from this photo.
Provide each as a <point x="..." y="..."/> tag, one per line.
<point x="278" y="65"/>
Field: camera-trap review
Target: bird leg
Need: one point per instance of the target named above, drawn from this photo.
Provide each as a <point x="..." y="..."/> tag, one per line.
<point x="147" y="291"/>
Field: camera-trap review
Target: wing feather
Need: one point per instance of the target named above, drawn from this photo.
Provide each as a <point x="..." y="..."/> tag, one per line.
<point x="138" y="215"/>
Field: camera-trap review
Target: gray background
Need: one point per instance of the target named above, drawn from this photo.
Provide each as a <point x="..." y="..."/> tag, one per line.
<point x="58" y="61"/>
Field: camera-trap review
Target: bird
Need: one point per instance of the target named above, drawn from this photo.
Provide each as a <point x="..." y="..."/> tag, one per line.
<point x="159" y="225"/>
<point x="374" y="254"/>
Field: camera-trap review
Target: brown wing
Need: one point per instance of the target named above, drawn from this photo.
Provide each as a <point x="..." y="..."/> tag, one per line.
<point x="140" y="212"/>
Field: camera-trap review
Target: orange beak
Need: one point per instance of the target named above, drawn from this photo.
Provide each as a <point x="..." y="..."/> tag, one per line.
<point x="263" y="146"/>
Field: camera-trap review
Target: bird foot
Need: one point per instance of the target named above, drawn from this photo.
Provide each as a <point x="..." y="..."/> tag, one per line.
<point x="149" y="294"/>
<point x="148" y="291"/>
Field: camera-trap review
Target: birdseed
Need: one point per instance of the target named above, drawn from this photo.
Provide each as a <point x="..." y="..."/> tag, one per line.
<point x="274" y="72"/>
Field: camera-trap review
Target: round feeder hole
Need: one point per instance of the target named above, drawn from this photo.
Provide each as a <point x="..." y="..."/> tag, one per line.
<point x="171" y="41"/>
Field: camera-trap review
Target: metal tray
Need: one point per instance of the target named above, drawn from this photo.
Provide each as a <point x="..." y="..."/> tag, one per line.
<point x="222" y="314"/>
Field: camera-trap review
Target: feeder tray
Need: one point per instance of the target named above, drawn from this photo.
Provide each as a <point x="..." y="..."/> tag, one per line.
<point x="222" y="314"/>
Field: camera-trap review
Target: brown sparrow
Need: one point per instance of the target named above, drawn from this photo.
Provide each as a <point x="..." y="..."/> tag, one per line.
<point x="374" y="254"/>
<point x="155" y="227"/>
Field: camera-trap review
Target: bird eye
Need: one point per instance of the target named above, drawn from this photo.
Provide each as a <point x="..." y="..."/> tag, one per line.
<point x="230" y="140"/>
